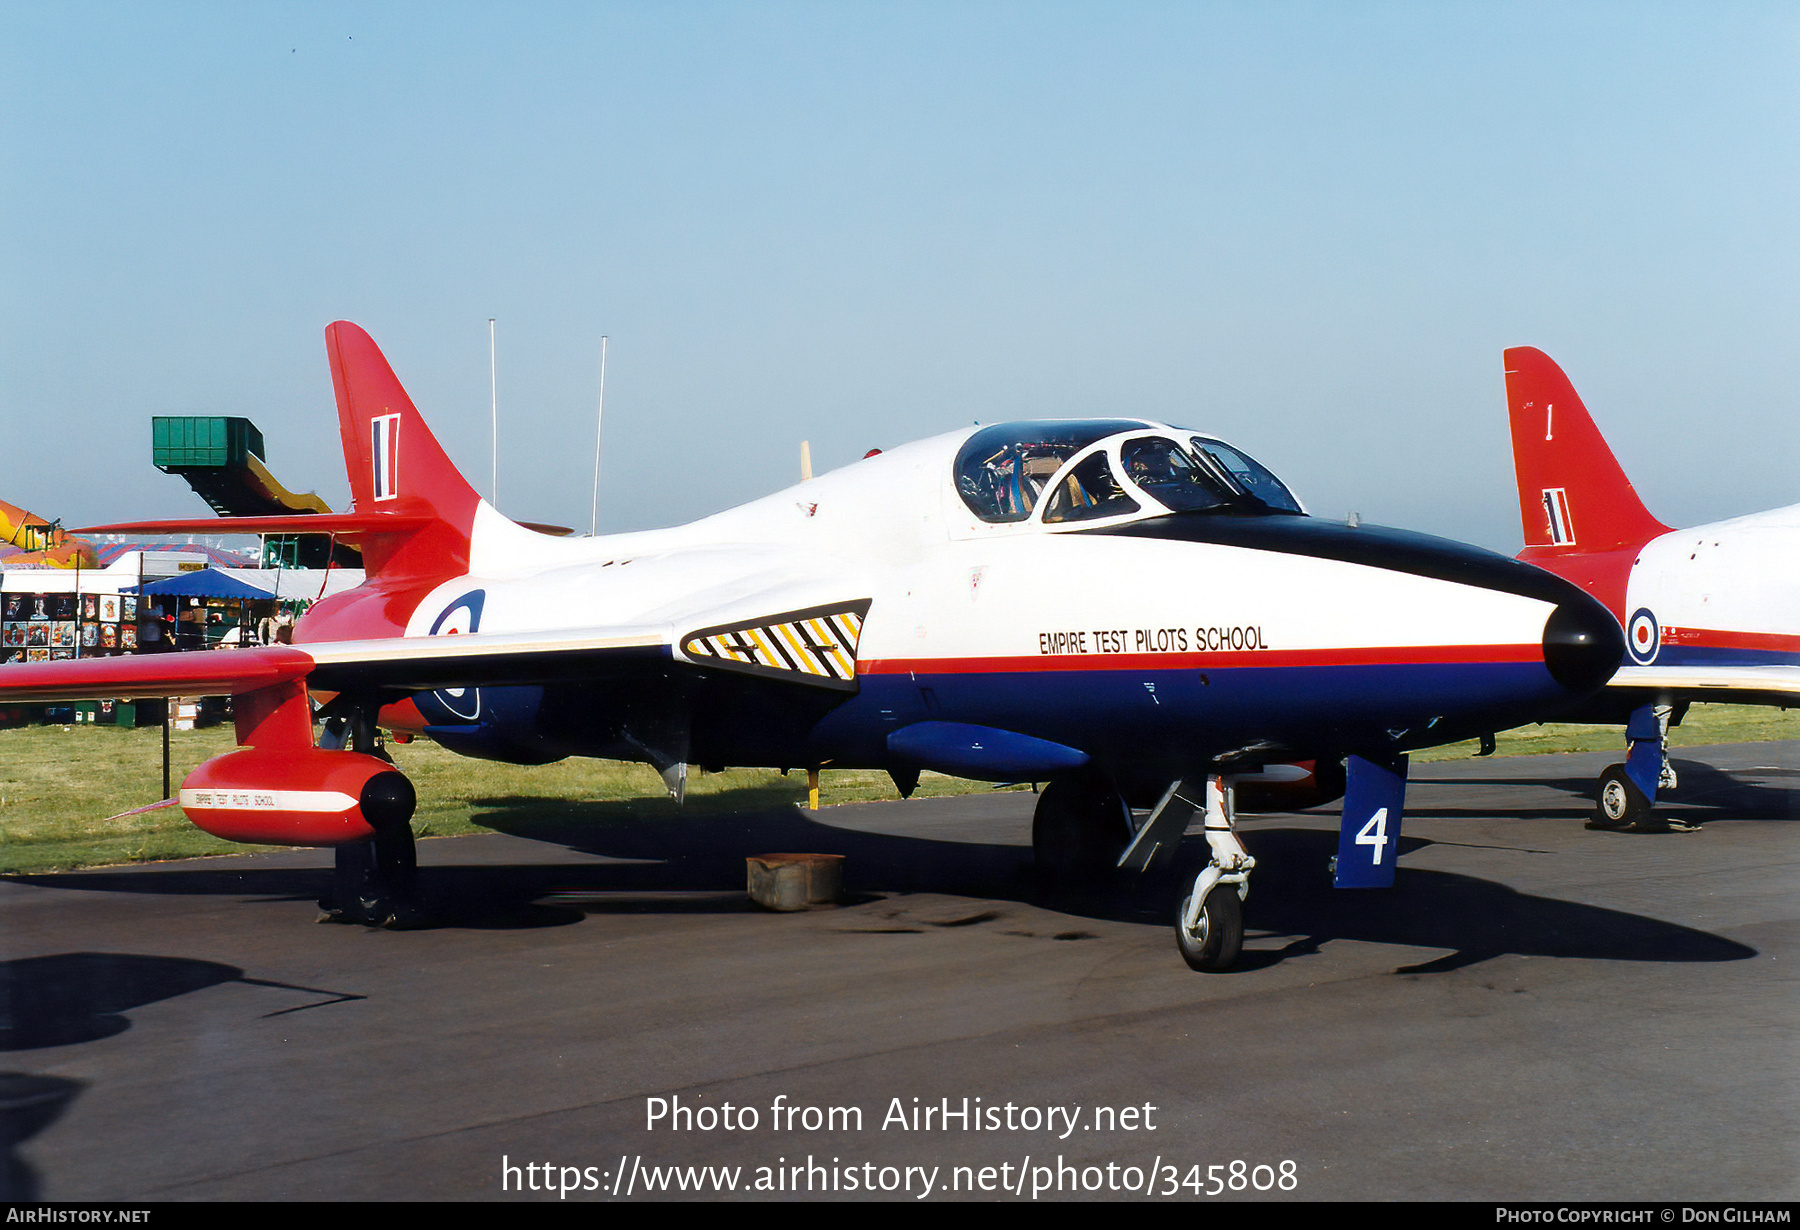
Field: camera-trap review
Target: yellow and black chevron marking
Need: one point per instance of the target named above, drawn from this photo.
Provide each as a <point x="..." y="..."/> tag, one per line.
<point x="816" y="646"/>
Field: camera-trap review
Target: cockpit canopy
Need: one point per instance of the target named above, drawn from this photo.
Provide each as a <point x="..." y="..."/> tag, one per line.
<point x="1090" y="469"/>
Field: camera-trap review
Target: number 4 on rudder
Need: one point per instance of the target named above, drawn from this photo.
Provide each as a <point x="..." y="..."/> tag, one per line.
<point x="1374" y="802"/>
<point x="1374" y="833"/>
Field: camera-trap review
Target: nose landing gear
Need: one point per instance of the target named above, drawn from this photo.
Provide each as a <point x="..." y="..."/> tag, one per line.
<point x="1209" y="923"/>
<point x="1625" y="795"/>
<point x="1210" y="933"/>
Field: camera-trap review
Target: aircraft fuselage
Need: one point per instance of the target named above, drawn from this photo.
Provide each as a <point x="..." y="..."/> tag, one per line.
<point x="1154" y="645"/>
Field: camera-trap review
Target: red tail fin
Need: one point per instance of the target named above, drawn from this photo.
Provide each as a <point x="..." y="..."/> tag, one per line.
<point x="1573" y="497"/>
<point x="396" y="465"/>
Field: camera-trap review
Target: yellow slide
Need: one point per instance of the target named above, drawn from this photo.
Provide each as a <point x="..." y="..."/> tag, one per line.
<point x="273" y="491"/>
<point x="42" y="543"/>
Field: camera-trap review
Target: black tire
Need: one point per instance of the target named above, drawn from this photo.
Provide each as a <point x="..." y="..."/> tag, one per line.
<point x="1619" y="804"/>
<point x="1080" y="828"/>
<point x="375" y="882"/>
<point x="1220" y="935"/>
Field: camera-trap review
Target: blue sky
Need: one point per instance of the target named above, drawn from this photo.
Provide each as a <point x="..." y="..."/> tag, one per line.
<point x="1311" y="228"/>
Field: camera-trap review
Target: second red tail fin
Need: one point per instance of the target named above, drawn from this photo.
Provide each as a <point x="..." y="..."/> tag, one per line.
<point x="1574" y="498"/>
<point x="396" y="465"/>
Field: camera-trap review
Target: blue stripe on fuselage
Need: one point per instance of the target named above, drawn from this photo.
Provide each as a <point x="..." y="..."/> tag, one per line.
<point x="1156" y="716"/>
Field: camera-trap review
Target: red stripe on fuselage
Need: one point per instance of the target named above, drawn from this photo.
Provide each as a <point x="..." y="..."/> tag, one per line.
<point x="1385" y="655"/>
<point x="1713" y="638"/>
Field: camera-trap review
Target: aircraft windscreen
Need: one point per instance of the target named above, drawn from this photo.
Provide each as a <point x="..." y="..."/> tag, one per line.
<point x="1001" y="470"/>
<point x="1164" y="469"/>
<point x="1249" y="474"/>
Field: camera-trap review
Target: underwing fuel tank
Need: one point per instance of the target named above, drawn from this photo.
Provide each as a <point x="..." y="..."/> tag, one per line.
<point x="296" y="797"/>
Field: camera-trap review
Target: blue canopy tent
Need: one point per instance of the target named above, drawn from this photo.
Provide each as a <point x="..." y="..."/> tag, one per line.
<point x="203" y="583"/>
<point x="207" y="584"/>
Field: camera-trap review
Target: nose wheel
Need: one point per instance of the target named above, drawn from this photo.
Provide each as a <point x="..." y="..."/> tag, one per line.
<point x="1621" y="807"/>
<point x="1625" y="796"/>
<point x="1209" y="923"/>
<point x="1211" y="937"/>
<point x="1620" y="804"/>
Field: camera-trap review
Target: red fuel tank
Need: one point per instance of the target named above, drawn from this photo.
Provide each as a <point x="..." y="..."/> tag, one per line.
<point x="297" y="797"/>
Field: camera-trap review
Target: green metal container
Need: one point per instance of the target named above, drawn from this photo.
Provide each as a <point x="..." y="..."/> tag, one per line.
<point x="184" y="442"/>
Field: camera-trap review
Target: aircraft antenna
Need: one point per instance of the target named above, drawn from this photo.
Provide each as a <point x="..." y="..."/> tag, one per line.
<point x="494" y="409"/>
<point x="805" y="460"/>
<point x="599" y="417"/>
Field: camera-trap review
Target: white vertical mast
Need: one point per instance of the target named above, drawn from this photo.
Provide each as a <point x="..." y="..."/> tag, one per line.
<point x="494" y="407"/>
<point x="599" y="418"/>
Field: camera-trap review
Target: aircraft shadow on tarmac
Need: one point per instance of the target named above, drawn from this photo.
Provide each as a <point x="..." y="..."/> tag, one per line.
<point x="63" y="1000"/>
<point x="1704" y="794"/>
<point x="695" y="864"/>
<point x="74" y="997"/>
<point x="29" y="1103"/>
<point x="1476" y="919"/>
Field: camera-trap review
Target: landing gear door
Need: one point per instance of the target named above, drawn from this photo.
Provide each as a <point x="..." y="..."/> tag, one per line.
<point x="1369" y="840"/>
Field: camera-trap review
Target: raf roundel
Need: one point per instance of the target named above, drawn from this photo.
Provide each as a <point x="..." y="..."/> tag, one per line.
<point x="461" y="617"/>
<point x="1642" y="637"/>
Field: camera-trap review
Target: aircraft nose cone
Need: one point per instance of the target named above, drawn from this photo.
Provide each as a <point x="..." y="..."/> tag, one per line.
<point x="1583" y="645"/>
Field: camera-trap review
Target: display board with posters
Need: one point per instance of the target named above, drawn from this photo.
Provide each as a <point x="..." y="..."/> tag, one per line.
<point x="46" y="627"/>
<point x="83" y="614"/>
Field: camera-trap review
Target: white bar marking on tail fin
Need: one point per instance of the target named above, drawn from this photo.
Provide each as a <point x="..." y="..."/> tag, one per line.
<point x="1556" y="510"/>
<point x="384" y="455"/>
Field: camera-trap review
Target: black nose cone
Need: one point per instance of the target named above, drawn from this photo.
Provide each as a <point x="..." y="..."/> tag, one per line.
<point x="1582" y="644"/>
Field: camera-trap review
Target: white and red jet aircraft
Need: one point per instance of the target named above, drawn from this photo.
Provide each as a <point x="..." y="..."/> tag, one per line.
<point x="1136" y="614"/>
<point x="1710" y="613"/>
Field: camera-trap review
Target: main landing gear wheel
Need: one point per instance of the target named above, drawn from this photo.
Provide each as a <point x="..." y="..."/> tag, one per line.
<point x="1080" y="828"/>
<point x="1216" y="939"/>
<point x="375" y="882"/>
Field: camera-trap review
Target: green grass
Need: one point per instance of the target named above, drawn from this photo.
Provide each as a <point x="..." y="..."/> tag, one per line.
<point x="59" y="785"/>
<point x="1704" y="724"/>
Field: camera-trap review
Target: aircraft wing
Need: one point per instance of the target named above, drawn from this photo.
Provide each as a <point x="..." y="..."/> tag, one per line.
<point x="152" y="675"/>
<point x="812" y="647"/>
<point x="405" y="664"/>
<point x="1718" y="684"/>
